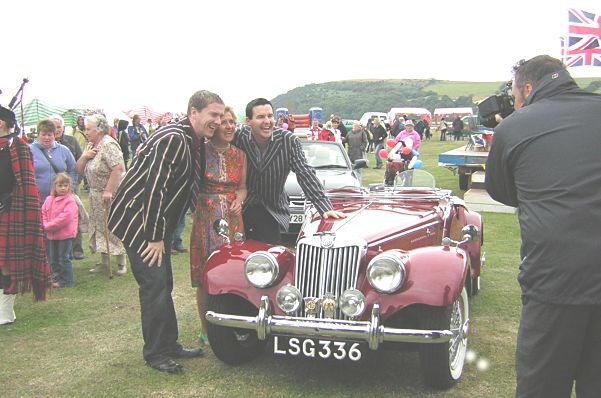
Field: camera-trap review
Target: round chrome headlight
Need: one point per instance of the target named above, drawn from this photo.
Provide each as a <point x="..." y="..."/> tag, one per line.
<point x="289" y="299"/>
<point x="352" y="303"/>
<point x="386" y="272"/>
<point x="261" y="269"/>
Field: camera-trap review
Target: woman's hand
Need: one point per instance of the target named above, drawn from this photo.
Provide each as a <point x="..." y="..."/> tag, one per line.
<point x="236" y="207"/>
<point x="107" y="198"/>
<point x="90" y="152"/>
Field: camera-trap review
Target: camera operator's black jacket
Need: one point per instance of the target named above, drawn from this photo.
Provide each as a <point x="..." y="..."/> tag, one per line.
<point x="546" y="160"/>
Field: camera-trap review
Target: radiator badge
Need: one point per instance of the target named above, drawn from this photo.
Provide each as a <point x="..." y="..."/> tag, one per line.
<point x="327" y="240"/>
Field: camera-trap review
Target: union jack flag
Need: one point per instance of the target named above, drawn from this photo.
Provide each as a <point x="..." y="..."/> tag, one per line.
<point x="583" y="46"/>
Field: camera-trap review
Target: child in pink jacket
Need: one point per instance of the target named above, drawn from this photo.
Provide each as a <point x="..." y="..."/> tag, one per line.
<point x="59" y="218"/>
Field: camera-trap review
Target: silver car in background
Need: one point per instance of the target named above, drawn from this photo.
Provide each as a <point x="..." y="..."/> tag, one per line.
<point x="333" y="168"/>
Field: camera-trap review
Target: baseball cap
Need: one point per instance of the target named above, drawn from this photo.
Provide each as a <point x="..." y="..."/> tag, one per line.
<point x="408" y="122"/>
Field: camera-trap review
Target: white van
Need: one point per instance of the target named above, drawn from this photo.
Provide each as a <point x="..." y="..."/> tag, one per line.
<point x="369" y="115"/>
<point x="417" y="113"/>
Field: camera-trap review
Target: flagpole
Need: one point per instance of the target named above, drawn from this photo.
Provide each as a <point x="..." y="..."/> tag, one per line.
<point x="566" y="36"/>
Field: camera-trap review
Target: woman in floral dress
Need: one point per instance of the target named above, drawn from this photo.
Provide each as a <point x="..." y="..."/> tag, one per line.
<point x="103" y="166"/>
<point x="221" y="197"/>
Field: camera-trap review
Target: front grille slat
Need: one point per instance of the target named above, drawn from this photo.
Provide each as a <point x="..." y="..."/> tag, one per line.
<point x="321" y="271"/>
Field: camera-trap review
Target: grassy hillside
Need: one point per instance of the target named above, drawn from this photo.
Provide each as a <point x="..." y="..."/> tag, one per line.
<point x="351" y="98"/>
<point x="478" y="90"/>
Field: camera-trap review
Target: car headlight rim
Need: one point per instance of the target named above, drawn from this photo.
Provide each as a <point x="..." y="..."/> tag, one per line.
<point x="261" y="269"/>
<point x="352" y="298"/>
<point x="386" y="273"/>
<point x="289" y="299"/>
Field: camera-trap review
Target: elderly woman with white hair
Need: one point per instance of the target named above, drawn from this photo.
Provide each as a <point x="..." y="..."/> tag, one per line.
<point x="103" y="166"/>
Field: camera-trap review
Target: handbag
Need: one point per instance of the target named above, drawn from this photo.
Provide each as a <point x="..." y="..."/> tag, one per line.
<point x="56" y="170"/>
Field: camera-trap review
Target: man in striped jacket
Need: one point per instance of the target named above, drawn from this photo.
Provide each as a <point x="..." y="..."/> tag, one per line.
<point x="164" y="179"/>
<point x="271" y="155"/>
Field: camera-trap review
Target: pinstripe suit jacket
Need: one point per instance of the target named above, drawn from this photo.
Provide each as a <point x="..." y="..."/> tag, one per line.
<point x="156" y="189"/>
<point x="266" y="174"/>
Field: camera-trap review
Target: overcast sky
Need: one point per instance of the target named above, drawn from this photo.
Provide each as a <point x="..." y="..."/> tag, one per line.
<point x="123" y="54"/>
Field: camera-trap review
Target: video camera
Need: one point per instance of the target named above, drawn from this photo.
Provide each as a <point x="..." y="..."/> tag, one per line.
<point x="501" y="104"/>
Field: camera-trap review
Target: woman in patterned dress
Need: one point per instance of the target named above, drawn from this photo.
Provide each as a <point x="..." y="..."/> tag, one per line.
<point x="221" y="197"/>
<point x="103" y="166"/>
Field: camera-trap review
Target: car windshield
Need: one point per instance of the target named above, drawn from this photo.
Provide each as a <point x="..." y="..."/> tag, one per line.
<point x="324" y="155"/>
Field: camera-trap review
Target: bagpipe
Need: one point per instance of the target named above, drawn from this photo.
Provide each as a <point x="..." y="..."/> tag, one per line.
<point x="8" y="114"/>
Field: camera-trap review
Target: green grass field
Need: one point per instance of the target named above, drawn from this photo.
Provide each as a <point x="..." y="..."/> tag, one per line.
<point x="86" y="341"/>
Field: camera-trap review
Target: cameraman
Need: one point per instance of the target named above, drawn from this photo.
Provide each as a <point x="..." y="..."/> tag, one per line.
<point x="545" y="160"/>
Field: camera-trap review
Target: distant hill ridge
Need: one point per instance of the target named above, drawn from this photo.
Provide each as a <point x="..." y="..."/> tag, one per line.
<point x="351" y="98"/>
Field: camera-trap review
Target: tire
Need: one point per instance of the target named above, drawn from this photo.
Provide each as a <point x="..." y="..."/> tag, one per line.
<point x="233" y="346"/>
<point x="464" y="181"/>
<point x="442" y="364"/>
<point x="475" y="285"/>
<point x="472" y="285"/>
<point x="468" y="282"/>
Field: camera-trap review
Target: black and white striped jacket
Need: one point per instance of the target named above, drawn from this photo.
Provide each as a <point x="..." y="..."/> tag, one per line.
<point x="266" y="174"/>
<point x="156" y="189"/>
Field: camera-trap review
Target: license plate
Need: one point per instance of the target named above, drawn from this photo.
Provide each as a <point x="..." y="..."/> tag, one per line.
<point x="297" y="218"/>
<point x="316" y="348"/>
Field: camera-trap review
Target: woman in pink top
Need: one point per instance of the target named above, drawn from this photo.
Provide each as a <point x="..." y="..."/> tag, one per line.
<point x="409" y="132"/>
<point x="59" y="218"/>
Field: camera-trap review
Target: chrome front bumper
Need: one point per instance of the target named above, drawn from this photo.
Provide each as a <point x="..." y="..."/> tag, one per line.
<point x="369" y="331"/>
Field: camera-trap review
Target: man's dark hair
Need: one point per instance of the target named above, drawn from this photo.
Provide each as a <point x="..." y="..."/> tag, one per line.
<point x="533" y="70"/>
<point x="201" y="99"/>
<point x="253" y="103"/>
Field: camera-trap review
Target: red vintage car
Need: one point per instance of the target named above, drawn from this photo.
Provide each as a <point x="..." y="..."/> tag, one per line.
<point x="397" y="271"/>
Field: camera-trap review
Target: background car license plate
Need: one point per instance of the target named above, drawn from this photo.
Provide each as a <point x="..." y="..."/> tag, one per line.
<point x="316" y="348"/>
<point x="297" y="218"/>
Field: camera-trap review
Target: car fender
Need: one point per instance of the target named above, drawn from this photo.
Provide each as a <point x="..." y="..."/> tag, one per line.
<point x="435" y="276"/>
<point x="224" y="270"/>
<point x="474" y="248"/>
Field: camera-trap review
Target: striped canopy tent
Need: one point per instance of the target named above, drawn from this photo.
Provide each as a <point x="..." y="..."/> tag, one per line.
<point x="146" y="113"/>
<point x="70" y="116"/>
<point x="35" y="111"/>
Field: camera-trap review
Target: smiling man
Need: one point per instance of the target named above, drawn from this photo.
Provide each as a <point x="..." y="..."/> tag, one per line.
<point x="162" y="182"/>
<point x="271" y="155"/>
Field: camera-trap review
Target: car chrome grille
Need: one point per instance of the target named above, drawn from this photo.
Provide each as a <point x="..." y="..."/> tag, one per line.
<point x="322" y="272"/>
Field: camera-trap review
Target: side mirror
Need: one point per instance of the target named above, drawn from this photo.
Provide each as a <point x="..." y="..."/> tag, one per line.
<point x="470" y="233"/>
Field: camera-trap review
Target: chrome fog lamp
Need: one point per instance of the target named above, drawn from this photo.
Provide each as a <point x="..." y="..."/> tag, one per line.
<point x="352" y="303"/>
<point x="386" y="272"/>
<point x="289" y="299"/>
<point x="261" y="269"/>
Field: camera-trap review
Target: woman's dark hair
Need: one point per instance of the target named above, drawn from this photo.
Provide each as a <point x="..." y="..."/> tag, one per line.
<point x="47" y="126"/>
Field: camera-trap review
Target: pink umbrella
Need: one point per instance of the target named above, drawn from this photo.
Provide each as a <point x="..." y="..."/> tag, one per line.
<point x="146" y="113"/>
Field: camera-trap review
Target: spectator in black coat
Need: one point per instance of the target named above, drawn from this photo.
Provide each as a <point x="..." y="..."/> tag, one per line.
<point x="457" y="128"/>
<point x="123" y="140"/>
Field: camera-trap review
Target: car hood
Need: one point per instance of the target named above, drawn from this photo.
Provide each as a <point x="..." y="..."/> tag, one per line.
<point x="330" y="179"/>
<point x="373" y="221"/>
